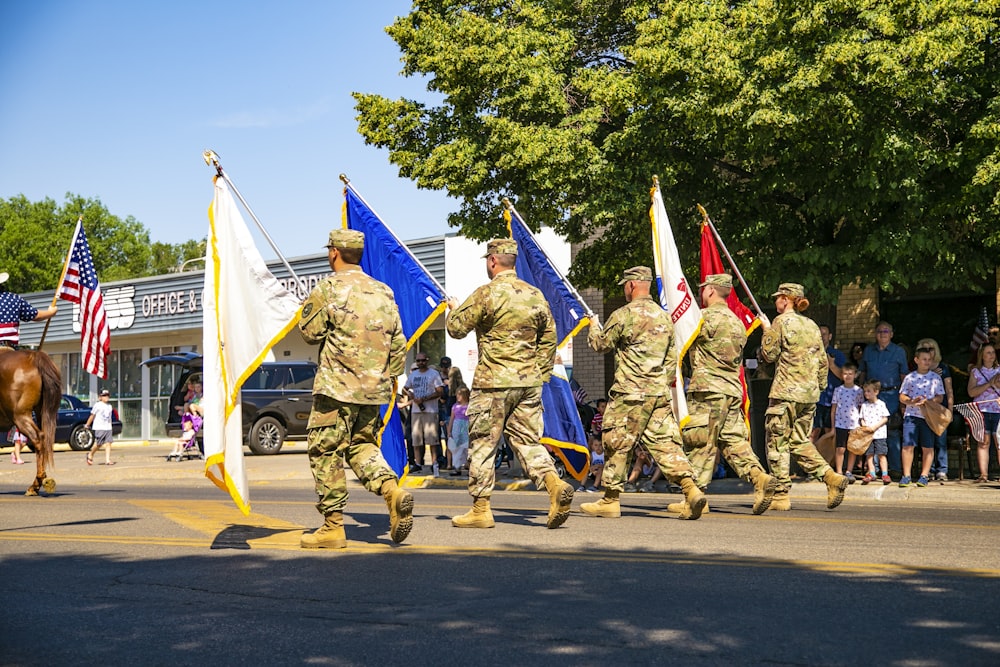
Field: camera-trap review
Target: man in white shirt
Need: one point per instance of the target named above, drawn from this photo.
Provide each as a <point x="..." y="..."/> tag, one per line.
<point x="424" y="387"/>
<point x="101" y="416"/>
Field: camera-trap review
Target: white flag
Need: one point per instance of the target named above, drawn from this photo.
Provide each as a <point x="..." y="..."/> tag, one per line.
<point x="676" y="296"/>
<point x="246" y="311"/>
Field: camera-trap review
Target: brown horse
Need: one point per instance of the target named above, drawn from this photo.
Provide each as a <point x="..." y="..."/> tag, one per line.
<point x="30" y="382"/>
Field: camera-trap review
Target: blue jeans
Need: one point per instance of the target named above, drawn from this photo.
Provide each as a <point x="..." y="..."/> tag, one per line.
<point x="940" y="463"/>
<point x="894" y="436"/>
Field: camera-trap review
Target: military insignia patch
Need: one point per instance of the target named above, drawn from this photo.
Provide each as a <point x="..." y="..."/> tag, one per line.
<point x="308" y="308"/>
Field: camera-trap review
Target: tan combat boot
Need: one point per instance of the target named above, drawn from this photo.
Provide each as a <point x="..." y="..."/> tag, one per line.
<point x="695" y="500"/>
<point x="764" y="487"/>
<point x="607" y="507"/>
<point x="328" y="536"/>
<point x="480" y="516"/>
<point x="560" y="500"/>
<point x="781" y="502"/>
<point x="400" y="504"/>
<point x="835" y="487"/>
<point x="681" y="507"/>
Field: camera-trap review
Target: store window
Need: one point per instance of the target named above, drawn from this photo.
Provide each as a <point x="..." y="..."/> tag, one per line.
<point x="124" y="381"/>
<point x="162" y="380"/>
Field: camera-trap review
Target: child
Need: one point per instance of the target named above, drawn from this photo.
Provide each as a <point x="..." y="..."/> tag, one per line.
<point x="458" y="431"/>
<point x="874" y="417"/>
<point x="189" y="427"/>
<point x="19" y="440"/>
<point x="100" y="416"/>
<point x="844" y="415"/>
<point x="596" y="466"/>
<point x="918" y="387"/>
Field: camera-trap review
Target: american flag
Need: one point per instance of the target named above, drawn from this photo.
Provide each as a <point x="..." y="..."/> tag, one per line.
<point x="81" y="286"/>
<point x="979" y="334"/>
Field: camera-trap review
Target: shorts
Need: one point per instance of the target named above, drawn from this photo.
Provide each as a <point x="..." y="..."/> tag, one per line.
<point x="842" y="435"/>
<point x="822" y="417"/>
<point x="103" y="437"/>
<point x="917" y="432"/>
<point x="878" y="447"/>
<point x="424" y="429"/>
<point x="990" y="422"/>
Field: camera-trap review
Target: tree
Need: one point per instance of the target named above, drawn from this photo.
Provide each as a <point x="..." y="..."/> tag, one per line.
<point x="830" y="141"/>
<point x="35" y="238"/>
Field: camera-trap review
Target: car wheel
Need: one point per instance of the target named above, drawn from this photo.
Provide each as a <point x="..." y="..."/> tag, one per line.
<point x="81" y="438"/>
<point x="266" y="436"/>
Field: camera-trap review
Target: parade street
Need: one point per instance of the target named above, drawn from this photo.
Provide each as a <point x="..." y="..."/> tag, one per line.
<point x="146" y="562"/>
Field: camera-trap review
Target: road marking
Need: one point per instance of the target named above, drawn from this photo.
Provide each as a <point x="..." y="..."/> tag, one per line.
<point x="226" y="524"/>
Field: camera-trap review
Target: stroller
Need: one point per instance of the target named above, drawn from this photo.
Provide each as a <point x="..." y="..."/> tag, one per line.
<point x="187" y="445"/>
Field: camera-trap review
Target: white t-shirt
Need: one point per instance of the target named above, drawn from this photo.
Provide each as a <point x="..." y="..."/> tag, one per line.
<point x="872" y="413"/>
<point x="847" y="400"/>
<point x="916" y="385"/>
<point x="102" y="416"/>
<point x="423" y="384"/>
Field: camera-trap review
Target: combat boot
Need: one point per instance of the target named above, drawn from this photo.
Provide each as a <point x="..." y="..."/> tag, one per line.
<point x="560" y="500"/>
<point x="764" y="486"/>
<point x="400" y="504"/>
<point x="480" y="516"/>
<point x="781" y="502"/>
<point x="328" y="536"/>
<point x="835" y="487"/>
<point x="607" y="507"/>
<point x="681" y="507"/>
<point x="695" y="500"/>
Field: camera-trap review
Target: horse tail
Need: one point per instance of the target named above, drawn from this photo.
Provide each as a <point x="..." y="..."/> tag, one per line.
<point x="49" y="403"/>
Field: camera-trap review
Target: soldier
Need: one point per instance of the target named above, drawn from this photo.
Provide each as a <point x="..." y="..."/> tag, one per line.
<point x="715" y="398"/>
<point x="641" y="334"/>
<point x="355" y="321"/>
<point x="793" y="343"/>
<point x="516" y="338"/>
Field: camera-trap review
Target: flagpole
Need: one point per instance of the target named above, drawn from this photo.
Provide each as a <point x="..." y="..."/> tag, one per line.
<point x="732" y="264"/>
<point x="510" y="207"/>
<point x="212" y="160"/>
<point x="347" y="184"/>
<point x="55" y="297"/>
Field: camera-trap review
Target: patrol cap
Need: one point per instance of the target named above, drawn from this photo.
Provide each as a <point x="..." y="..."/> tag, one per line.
<point x="346" y="238"/>
<point x="636" y="273"/>
<point x="790" y="289"/>
<point x="501" y="247"/>
<point x="105" y="392"/>
<point x="3" y="277"/>
<point x="718" y="280"/>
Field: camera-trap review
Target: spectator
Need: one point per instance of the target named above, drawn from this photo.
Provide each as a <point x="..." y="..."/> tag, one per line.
<point x="597" y="423"/>
<point x="642" y="467"/>
<point x="101" y="416"/>
<point x="845" y="414"/>
<point x="886" y="362"/>
<point x="874" y="417"/>
<point x="918" y="387"/>
<point x="596" y="467"/>
<point x="425" y="389"/>
<point x="822" y="422"/>
<point x="404" y="406"/>
<point x="939" y="467"/>
<point x="458" y="431"/>
<point x="984" y="389"/>
<point x="857" y="351"/>
<point x="18" y="440"/>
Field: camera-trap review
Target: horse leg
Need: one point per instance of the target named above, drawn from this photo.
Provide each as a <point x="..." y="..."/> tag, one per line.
<point x="35" y="435"/>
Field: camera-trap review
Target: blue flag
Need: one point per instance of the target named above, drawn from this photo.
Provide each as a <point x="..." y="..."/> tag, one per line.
<point x="562" y="429"/>
<point x="419" y="299"/>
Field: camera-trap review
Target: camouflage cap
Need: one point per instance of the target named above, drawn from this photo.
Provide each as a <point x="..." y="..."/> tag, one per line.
<point x="346" y="238"/>
<point x="637" y="273"/>
<point x="718" y="280"/>
<point x="501" y="247"/>
<point x="790" y="289"/>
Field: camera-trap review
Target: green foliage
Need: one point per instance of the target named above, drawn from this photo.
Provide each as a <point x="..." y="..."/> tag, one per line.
<point x="831" y="140"/>
<point x="35" y="238"/>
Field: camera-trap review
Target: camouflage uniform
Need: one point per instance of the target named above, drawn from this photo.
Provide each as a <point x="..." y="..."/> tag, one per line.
<point x="715" y="397"/>
<point x="355" y="321"/>
<point x="516" y="339"/>
<point x="794" y="345"/>
<point x="639" y="410"/>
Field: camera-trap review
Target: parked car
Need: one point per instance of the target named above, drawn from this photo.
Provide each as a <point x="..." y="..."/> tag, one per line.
<point x="276" y="399"/>
<point x="71" y="424"/>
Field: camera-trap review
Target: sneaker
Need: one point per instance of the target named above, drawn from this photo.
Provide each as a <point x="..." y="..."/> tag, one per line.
<point x="868" y="479"/>
<point x="886" y="479"/>
<point x="630" y="487"/>
<point x="922" y="481"/>
<point x="904" y="480"/>
<point x="850" y="477"/>
<point x="415" y="469"/>
<point x="941" y="477"/>
<point x="591" y="489"/>
<point x="582" y="488"/>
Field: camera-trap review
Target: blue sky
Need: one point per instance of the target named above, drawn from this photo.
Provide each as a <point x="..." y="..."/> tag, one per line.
<point x="116" y="100"/>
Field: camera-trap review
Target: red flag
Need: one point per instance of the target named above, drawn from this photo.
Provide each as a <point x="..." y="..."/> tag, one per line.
<point x="711" y="263"/>
<point x="80" y="286"/>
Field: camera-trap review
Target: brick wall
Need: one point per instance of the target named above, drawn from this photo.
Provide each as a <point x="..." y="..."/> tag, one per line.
<point x="857" y="315"/>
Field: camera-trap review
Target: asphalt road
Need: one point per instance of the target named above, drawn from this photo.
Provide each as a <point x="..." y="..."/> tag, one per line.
<point x="146" y="562"/>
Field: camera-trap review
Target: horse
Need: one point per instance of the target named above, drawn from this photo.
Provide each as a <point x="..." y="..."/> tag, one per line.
<point x="30" y="382"/>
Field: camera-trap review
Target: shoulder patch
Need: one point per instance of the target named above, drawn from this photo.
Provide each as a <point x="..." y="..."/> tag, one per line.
<point x="307" y="309"/>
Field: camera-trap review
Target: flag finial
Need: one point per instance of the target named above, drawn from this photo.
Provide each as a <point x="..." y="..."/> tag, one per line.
<point x="345" y="179"/>
<point x="704" y="213"/>
<point x="506" y="203"/>
<point x="212" y="160"/>
<point x="656" y="181"/>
